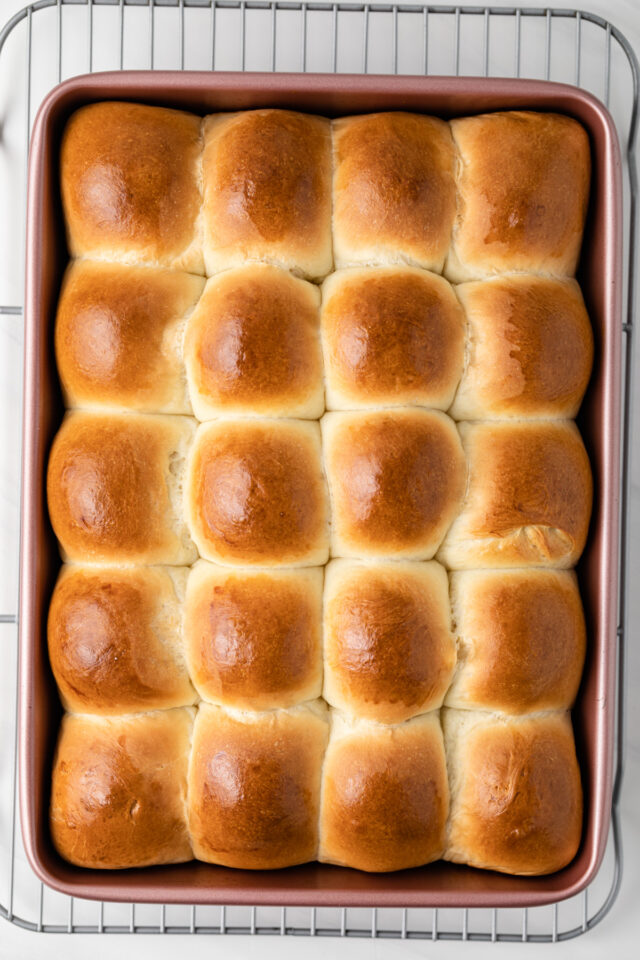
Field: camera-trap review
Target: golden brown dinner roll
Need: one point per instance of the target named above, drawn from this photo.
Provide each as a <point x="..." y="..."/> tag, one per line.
<point x="396" y="480"/>
<point x="254" y="785"/>
<point x="254" y="637"/>
<point x="385" y="797"/>
<point x="522" y="193"/>
<point x="114" y="487"/>
<point x="119" y="789"/>
<point x="516" y="797"/>
<point x="530" y="349"/>
<point x="115" y="639"/>
<point x="267" y="191"/>
<point x="252" y="346"/>
<point x="256" y="493"/>
<point x="393" y="190"/>
<point x="119" y="333"/>
<point x="391" y="336"/>
<point x="528" y="499"/>
<point x="130" y="178"/>
<point x="521" y="640"/>
<point x="389" y="652"/>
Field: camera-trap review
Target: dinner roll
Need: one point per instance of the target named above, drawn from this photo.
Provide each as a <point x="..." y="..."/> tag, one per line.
<point x="252" y="346"/>
<point x="119" y="789"/>
<point x="256" y="493"/>
<point x="130" y="178"/>
<point x="528" y="499"/>
<point x="118" y="336"/>
<point x="392" y="336"/>
<point x="254" y="785"/>
<point x="393" y="190"/>
<point x="254" y="638"/>
<point x="267" y="191"/>
<point x="396" y="480"/>
<point x="385" y="796"/>
<point x="522" y="194"/>
<point x="114" y="487"/>
<point x="530" y="349"/>
<point x="516" y="797"/>
<point x="388" y="648"/>
<point x="521" y="640"/>
<point x="115" y="639"/>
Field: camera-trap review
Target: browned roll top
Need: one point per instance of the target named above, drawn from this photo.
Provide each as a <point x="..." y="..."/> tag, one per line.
<point x="530" y="349"/>
<point x="252" y="346"/>
<point x="119" y="789"/>
<point x="112" y="488"/>
<point x="385" y="796"/>
<point x="523" y="188"/>
<point x="130" y="184"/>
<point x="392" y="336"/>
<point x="394" y="190"/>
<point x="115" y="640"/>
<point x="396" y="481"/>
<point x="528" y="500"/>
<point x="254" y="786"/>
<point x="389" y="652"/>
<point x="117" y="338"/>
<point x="516" y="797"/>
<point x="257" y="494"/>
<point x="254" y="637"/>
<point x="267" y="190"/>
<point x="522" y="640"/>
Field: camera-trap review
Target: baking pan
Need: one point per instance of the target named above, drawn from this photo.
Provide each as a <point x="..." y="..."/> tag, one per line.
<point x="436" y="885"/>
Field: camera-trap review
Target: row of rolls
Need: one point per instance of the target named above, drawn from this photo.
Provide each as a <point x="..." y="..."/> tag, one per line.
<point x="262" y="791"/>
<point x="357" y="640"/>
<point x="472" y="197"/>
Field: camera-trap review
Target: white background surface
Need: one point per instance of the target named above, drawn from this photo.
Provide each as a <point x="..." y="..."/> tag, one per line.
<point x="619" y="933"/>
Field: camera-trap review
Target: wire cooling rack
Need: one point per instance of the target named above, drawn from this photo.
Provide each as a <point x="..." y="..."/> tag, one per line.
<point x="51" y="40"/>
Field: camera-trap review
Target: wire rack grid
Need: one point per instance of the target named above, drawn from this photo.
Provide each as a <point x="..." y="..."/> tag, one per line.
<point x="50" y="40"/>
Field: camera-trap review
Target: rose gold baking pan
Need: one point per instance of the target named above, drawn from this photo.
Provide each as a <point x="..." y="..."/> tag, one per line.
<point x="440" y="884"/>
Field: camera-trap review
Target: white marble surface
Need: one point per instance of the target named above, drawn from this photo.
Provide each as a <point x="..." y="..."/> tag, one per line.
<point x="621" y="929"/>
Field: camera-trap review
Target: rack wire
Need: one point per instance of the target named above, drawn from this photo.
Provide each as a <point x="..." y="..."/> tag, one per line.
<point x="50" y="40"/>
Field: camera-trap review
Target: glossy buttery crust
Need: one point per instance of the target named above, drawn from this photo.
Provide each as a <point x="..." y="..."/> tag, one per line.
<point x="270" y="777"/>
<point x="521" y="637"/>
<point x="119" y="789"/>
<point x="130" y="179"/>
<point x="114" y="488"/>
<point x="529" y="349"/>
<point x="516" y="796"/>
<point x="254" y="786"/>
<point x="115" y="639"/>
<point x="256" y="493"/>
<point x="118" y="336"/>
<point x="254" y="637"/>
<point x="392" y="336"/>
<point x="267" y="191"/>
<point x="388" y="647"/>
<point x="393" y="190"/>
<point x="529" y="496"/>
<point x="396" y="479"/>
<point x="522" y="193"/>
<point x="252" y="346"/>
<point x="385" y="796"/>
